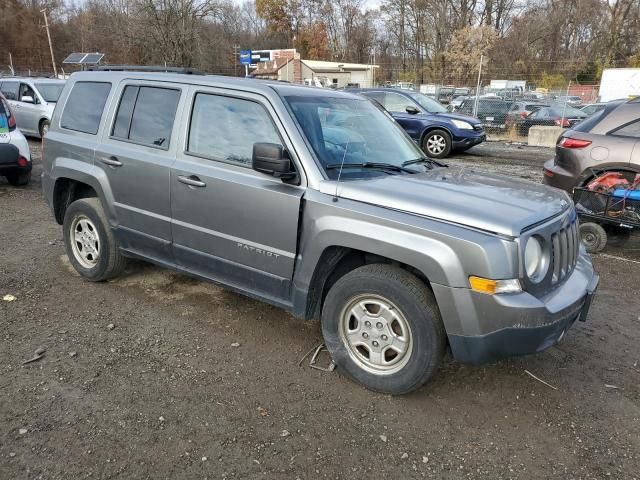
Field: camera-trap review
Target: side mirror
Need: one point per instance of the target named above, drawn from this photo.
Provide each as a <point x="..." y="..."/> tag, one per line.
<point x="272" y="159"/>
<point x="411" y="110"/>
<point x="27" y="99"/>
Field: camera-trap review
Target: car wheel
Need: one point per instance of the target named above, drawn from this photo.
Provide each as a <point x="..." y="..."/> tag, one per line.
<point x="44" y="128"/>
<point x="436" y="144"/>
<point x="593" y="236"/>
<point x="383" y="328"/>
<point x="89" y="241"/>
<point x="19" y="179"/>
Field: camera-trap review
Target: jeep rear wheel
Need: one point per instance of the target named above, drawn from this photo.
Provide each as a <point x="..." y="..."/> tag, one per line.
<point x="89" y="241"/>
<point x="383" y="328"/>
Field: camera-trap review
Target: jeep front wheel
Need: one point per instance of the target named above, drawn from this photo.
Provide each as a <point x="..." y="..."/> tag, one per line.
<point x="383" y="328"/>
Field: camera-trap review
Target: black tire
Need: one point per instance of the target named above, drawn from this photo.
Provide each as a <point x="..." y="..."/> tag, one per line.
<point x="431" y="150"/>
<point x="593" y="237"/>
<point x="43" y="128"/>
<point x="415" y="303"/>
<point x="110" y="262"/>
<point x="19" y="179"/>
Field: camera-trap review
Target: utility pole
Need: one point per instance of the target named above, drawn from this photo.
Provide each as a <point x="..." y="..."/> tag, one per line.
<point x="46" y="24"/>
<point x="235" y="59"/>
<point x="13" y="72"/>
<point x="475" y="104"/>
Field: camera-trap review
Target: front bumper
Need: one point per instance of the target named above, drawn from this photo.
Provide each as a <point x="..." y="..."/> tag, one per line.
<point x="483" y="328"/>
<point x="558" y="177"/>
<point x="468" y="142"/>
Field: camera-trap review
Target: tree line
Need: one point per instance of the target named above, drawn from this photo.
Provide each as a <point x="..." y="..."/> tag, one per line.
<point x="546" y="42"/>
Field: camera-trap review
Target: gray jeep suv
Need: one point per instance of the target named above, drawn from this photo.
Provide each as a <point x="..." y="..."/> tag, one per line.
<point x="317" y="202"/>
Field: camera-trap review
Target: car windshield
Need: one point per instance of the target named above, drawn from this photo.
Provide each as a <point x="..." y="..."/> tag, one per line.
<point x="50" y="91"/>
<point x="353" y="131"/>
<point x="429" y="104"/>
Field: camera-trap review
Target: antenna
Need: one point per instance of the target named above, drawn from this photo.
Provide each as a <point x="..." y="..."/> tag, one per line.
<point x="344" y="155"/>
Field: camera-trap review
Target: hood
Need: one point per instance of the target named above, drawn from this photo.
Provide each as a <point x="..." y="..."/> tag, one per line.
<point x="456" y="116"/>
<point x="484" y="201"/>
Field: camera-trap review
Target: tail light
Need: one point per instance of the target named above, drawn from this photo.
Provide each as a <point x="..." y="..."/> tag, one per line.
<point x="22" y="162"/>
<point x="568" y="142"/>
<point x="11" y="120"/>
<point x="524" y="114"/>
<point x="562" y="122"/>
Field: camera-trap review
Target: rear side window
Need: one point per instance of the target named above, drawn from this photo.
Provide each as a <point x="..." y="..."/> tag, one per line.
<point x="629" y="130"/>
<point x="84" y="107"/>
<point x="225" y="128"/>
<point x="146" y="115"/>
<point x="10" y="90"/>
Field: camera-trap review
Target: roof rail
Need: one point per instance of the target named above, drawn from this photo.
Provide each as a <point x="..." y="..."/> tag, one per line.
<point x="145" y="68"/>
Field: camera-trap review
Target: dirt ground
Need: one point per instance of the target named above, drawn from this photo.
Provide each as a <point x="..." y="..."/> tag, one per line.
<point x="155" y="375"/>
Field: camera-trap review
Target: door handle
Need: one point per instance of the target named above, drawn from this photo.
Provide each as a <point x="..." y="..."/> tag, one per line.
<point x="192" y="181"/>
<point x="111" y="161"/>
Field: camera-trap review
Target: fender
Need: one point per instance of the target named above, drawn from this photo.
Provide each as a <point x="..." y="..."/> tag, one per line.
<point x="90" y="174"/>
<point x="444" y="253"/>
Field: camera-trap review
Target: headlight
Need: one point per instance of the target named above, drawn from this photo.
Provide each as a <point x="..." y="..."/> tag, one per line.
<point x="535" y="261"/>
<point x="462" y="125"/>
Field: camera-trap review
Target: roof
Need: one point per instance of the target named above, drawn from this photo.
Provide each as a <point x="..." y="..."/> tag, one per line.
<point x="321" y="65"/>
<point x="266" y="87"/>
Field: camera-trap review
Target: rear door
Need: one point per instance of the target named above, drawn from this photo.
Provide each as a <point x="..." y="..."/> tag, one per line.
<point x="136" y="153"/>
<point x="231" y="223"/>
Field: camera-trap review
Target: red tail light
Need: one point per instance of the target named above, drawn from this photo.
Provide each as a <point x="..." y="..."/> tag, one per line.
<point x="562" y="122"/>
<point x="524" y="114"/>
<point x="567" y="142"/>
<point x="22" y="162"/>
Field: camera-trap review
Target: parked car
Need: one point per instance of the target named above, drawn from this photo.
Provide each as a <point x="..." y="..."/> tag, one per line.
<point x="520" y="110"/>
<point x="492" y="112"/>
<point x="573" y="100"/>
<point x="15" y="157"/>
<point x="592" y="108"/>
<point x="32" y="100"/>
<point x="314" y="201"/>
<point x="445" y="95"/>
<point x="456" y="103"/>
<point x="555" y="115"/>
<point x="609" y="140"/>
<point x="428" y="123"/>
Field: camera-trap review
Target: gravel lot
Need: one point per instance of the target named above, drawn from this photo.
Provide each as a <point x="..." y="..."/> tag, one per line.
<point x="156" y="375"/>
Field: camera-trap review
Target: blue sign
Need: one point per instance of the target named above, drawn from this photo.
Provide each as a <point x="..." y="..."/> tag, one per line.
<point x="245" y="57"/>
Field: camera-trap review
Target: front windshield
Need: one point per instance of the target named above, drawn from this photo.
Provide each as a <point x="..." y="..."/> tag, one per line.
<point x="429" y="104"/>
<point x="50" y="91"/>
<point x="351" y="130"/>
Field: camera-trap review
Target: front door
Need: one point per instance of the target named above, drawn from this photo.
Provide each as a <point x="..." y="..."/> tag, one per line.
<point x="136" y="154"/>
<point x="231" y="223"/>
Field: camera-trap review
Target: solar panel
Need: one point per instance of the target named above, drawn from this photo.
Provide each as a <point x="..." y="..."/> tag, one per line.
<point x="74" y="58"/>
<point x="92" y="58"/>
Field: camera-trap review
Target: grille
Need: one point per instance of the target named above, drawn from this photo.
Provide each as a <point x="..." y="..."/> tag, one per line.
<point x="565" y="246"/>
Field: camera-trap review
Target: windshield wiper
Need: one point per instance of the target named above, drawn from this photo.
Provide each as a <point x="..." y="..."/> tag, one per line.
<point x="378" y="165"/>
<point x="430" y="161"/>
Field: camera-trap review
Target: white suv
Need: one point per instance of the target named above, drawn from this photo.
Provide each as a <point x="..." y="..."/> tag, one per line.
<point x="32" y="101"/>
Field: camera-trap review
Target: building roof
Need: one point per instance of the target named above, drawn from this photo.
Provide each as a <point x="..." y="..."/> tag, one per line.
<point x="323" y="66"/>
